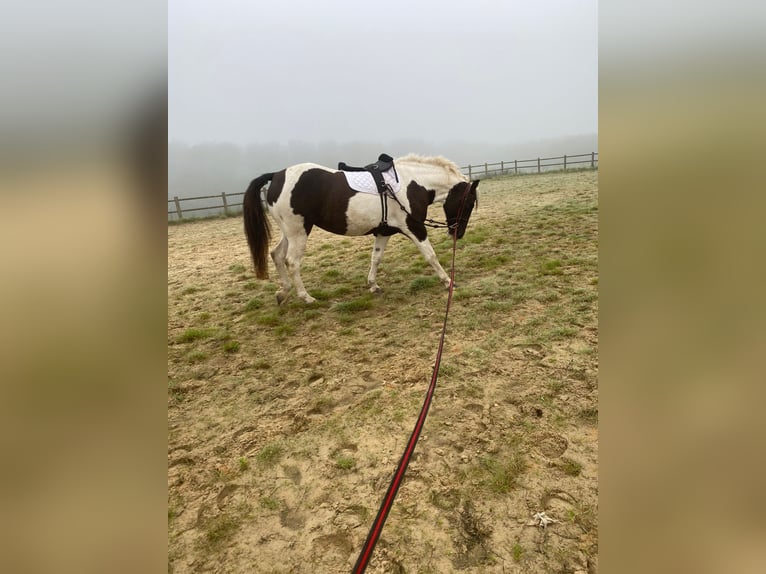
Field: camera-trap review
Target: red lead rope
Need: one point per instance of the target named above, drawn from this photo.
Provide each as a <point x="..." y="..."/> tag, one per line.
<point x="396" y="482"/>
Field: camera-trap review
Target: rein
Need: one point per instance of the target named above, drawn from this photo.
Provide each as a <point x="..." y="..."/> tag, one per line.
<point x="388" y="501"/>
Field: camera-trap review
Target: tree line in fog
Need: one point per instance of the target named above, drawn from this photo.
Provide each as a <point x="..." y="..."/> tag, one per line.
<point x="212" y="168"/>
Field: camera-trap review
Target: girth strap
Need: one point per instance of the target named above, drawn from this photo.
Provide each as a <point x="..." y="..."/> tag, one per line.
<point x="384" y="163"/>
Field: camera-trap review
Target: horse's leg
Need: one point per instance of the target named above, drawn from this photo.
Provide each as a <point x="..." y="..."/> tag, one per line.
<point x="295" y="248"/>
<point x="377" y="255"/>
<point x="427" y="251"/>
<point x="279" y="254"/>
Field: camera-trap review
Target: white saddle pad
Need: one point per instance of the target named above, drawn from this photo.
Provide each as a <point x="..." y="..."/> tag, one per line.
<point x="362" y="181"/>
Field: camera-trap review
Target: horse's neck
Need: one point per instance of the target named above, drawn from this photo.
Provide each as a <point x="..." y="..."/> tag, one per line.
<point x="430" y="177"/>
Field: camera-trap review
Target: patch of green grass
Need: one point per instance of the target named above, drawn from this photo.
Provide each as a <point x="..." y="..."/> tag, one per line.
<point x="309" y="314"/>
<point x="231" y="346"/>
<point x="244" y="464"/>
<point x="321" y="295"/>
<point x="548" y="297"/>
<point x="269" y="319"/>
<point x="422" y="283"/>
<point x="340" y="291"/>
<point x="561" y="332"/>
<point x="355" y="305"/>
<point x="551" y="267"/>
<point x="219" y="529"/>
<point x="473" y="236"/>
<point x="345" y="462"/>
<point x="463" y="293"/>
<point x="269" y="455"/>
<point x="569" y="467"/>
<point x="237" y="268"/>
<point x="269" y="503"/>
<point x="331" y="274"/>
<point x="493" y="261"/>
<point x="204" y="316"/>
<point x="500" y="476"/>
<point x="193" y="335"/>
<point x="253" y="305"/>
<point x="518" y="552"/>
<point x="196" y="357"/>
<point x="284" y="330"/>
<point x="250" y="286"/>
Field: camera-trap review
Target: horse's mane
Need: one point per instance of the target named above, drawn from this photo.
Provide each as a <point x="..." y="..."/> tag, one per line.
<point x="432" y="160"/>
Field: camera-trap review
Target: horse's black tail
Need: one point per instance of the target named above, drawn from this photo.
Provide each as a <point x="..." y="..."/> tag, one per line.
<point x="257" y="228"/>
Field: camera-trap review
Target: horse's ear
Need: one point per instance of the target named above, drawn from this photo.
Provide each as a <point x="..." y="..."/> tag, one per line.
<point x="431" y="196"/>
<point x="475" y="183"/>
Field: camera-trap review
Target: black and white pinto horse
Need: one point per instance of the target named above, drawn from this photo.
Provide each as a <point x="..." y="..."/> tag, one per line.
<point x="307" y="194"/>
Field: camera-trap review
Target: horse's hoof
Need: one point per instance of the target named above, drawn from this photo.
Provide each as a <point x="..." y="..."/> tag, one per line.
<point x="376" y="289"/>
<point x="281" y="297"/>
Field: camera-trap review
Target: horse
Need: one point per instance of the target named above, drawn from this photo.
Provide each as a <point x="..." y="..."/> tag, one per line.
<point x="306" y="195"/>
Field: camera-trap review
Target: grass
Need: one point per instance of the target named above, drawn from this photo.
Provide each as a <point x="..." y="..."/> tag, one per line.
<point x="345" y="462"/>
<point x="422" y="283"/>
<point x="196" y="357"/>
<point x="219" y="530"/>
<point x="194" y="334"/>
<point x="269" y="503"/>
<point x="269" y="455"/>
<point x="551" y="267"/>
<point x="522" y="336"/>
<point x="231" y="346"/>
<point x="355" y="305"/>
<point x="517" y="552"/>
<point x="569" y="467"/>
<point x="501" y="475"/>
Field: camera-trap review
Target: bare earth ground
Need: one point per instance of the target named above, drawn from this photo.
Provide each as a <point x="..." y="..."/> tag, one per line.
<point x="286" y="423"/>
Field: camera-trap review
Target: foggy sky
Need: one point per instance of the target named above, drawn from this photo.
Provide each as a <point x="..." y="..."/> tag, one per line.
<point x="487" y="71"/>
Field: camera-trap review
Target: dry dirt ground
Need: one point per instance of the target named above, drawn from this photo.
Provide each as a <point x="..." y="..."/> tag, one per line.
<point x="286" y="423"/>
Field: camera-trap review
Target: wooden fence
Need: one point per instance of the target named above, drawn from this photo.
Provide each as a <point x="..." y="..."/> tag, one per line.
<point x="230" y="205"/>
<point x="535" y="165"/>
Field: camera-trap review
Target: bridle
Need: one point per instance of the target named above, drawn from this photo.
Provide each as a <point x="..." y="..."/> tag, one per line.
<point x="428" y="222"/>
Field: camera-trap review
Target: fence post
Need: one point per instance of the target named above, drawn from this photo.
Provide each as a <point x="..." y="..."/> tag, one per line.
<point x="469" y="171"/>
<point x="486" y="173"/>
<point x="225" y="205"/>
<point x="538" y="165"/>
<point x="178" y="207"/>
<point x="502" y="167"/>
<point x="565" y="162"/>
<point x="592" y="159"/>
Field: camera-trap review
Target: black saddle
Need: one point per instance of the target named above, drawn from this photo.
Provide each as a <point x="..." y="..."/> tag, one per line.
<point x="384" y="163"/>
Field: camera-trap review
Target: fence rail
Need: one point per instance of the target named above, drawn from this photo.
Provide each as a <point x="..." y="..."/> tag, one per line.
<point x="514" y="167"/>
<point x="534" y="165"/>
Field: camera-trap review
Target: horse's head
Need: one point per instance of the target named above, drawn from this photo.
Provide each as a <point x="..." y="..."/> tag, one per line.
<point x="457" y="209"/>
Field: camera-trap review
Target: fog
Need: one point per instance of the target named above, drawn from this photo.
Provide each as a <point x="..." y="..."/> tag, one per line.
<point x="257" y="86"/>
